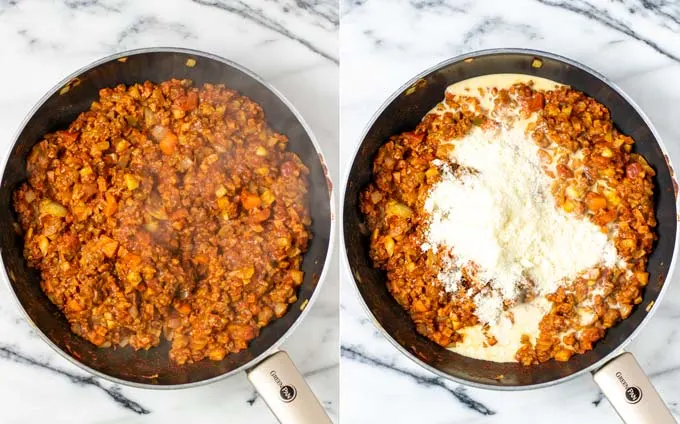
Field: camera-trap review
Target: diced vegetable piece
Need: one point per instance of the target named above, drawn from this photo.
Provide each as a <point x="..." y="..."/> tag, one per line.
<point x="399" y="209"/>
<point x="151" y="226"/>
<point x="297" y="276"/>
<point x="250" y="200"/>
<point x="221" y="191"/>
<point x="419" y="306"/>
<point x="612" y="197"/>
<point x="158" y="132"/>
<point x="183" y="308"/>
<point x="43" y="244"/>
<point x="642" y="277"/>
<point x="563" y="355"/>
<point x="73" y="305"/>
<point x="595" y="201"/>
<point x="29" y="196"/>
<point x="101" y="146"/>
<point x="50" y="207"/>
<point x="111" y="205"/>
<point x="563" y="171"/>
<point x="267" y="197"/>
<point x="122" y="145"/>
<point x="168" y="144"/>
<point x="131" y="181"/>
<point x="222" y="203"/>
<point x="108" y="246"/>
<point x="573" y="192"/>
<point x="569" y="206"/>
<point x="217" y="354"/>
<point x="628" y="243"/>
<point x="134" y="278"/>
<point x="243" y="273"/>
<point x="389" y="245"/>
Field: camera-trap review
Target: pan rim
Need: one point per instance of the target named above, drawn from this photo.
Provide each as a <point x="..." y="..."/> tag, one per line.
<point x="331" y="238"/>
<point x="460" y="58"/>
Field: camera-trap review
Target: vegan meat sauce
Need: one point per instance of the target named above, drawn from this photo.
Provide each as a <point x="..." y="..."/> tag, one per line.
<point x="167" y="210"/>
<point x="513" y="223"/>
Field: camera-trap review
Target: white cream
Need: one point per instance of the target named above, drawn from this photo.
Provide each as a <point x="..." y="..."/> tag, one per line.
<point x="470" y="87"/>
<point x="508" y="334"/>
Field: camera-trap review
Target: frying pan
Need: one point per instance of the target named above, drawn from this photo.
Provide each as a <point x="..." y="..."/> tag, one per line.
<point x="271" y="371"/>
<point x="617" y="373"/>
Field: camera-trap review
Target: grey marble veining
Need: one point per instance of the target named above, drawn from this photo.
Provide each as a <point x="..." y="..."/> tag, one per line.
<point x="636" y="43"/>
<point x="321" y="14"/>
<point x="293" y="45"/>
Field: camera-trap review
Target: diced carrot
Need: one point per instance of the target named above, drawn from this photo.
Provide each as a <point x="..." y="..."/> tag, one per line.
<point x="419" y="306"/>
<point x="183" y="308"/>
<point x="595" y="201"/>
<point x="168" y="143"/>
<point x="111" y="205"/>
<point x="250" y="200"/>
<point x="73" y="305"/>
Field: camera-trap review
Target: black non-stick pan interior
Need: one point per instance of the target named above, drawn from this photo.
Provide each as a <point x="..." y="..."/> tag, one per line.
<point x="403" y="114"/>
<point x="153" y="366"/>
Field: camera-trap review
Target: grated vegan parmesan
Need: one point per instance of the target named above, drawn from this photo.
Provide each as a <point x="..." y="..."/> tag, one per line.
<point x="498" y="220"/>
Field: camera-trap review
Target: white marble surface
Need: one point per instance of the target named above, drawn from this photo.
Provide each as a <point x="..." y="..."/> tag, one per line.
<point x="384" y="43"/>
<point x="293" y="45"/>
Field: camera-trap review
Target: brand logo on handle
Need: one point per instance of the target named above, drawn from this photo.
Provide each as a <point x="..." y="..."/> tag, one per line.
<point x="633" y="393"/>
<point x="287" y="392"/>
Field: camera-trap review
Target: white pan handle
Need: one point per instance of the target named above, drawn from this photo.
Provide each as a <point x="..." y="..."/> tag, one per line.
<point x="631" y="393"/>
<point x="286" y="392"/>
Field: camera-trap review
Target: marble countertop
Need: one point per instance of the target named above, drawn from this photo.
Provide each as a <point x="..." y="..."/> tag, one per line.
<point x="290" y="43"/>
<point x="636" y="43"/>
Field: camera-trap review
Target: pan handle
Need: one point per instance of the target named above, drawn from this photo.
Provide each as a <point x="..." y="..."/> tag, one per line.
<point x="286" y="392"/>
<point x="631" y="393"/>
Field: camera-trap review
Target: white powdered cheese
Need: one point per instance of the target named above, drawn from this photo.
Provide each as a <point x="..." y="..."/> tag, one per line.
<point x="502" y="218"/>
